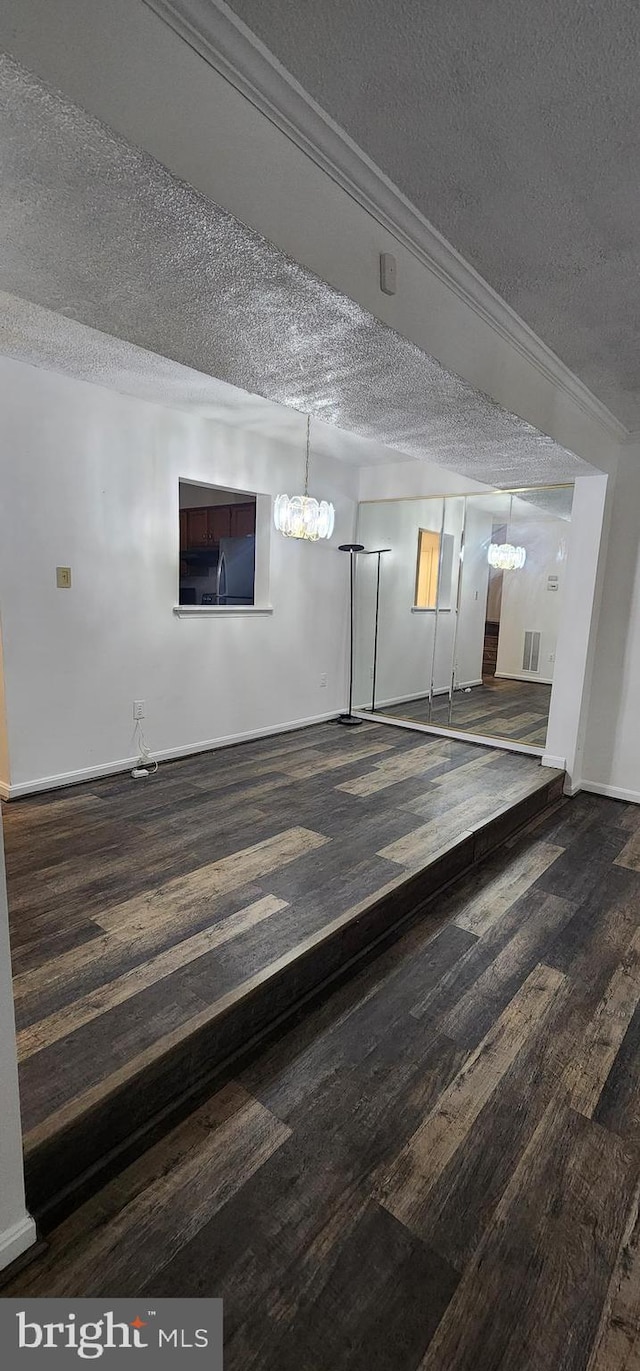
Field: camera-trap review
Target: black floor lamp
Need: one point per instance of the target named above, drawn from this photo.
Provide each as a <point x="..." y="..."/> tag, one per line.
<point x="349" y="718"/>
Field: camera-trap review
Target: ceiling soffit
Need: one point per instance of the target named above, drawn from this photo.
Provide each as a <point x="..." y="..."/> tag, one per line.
<point x="96" y="230"/>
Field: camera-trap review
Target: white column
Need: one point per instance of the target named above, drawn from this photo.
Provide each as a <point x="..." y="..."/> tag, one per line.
<point x="17" y="1229"/>
<point x="577" y="633"/>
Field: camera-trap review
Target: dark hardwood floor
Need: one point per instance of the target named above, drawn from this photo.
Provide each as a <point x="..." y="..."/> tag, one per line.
<point x="515" y="710"/>
<point x="137" y="907"/>
<point x="438" y="1167"/>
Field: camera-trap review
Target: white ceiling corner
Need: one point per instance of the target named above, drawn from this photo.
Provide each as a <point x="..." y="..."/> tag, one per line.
<point x="221" y="37"/>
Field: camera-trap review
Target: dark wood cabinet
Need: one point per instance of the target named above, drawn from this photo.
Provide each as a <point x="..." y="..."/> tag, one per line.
<point x="198" y="527"/>
<point x="219" y="522"/>
<point x="243" y="520"/>
<point x="207" y="524"/>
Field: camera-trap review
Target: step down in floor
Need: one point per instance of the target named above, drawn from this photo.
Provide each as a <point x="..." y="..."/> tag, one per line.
<point x="157" y="1088"/>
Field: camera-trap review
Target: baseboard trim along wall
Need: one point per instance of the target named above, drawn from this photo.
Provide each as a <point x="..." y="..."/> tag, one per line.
<point x="559" y="763"/>
<point x="531" y="679"/>
<point x="16" y="1240"/>
<point x="406" y="699"/>
<point x="93" y="773"/>
<point x="612" y="792"/>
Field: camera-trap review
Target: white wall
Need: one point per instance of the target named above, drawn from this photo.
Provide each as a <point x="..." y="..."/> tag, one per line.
<point x="4" y="737"/>
<point x="527" y="601"/>
<point x="90" y="480"/>
<point x="17" y="1230"/>
<point x="610" y="747"/>
<point x="410" y="480"/>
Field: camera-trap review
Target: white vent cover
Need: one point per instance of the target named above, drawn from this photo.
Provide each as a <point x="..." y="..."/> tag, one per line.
<point x="531" y="654"/>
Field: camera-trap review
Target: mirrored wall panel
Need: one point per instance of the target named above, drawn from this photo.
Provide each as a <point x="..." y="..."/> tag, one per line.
<point x="458" y="604"/>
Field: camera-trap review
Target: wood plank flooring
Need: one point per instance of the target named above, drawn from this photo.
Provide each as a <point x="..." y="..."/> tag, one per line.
<point x="438" y="1167"/>
<point x="499" y="708"/>
<point x="137" y="910"/>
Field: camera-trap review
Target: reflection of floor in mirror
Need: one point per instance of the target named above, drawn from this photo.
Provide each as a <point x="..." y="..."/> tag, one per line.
<point x="500" y="708"/>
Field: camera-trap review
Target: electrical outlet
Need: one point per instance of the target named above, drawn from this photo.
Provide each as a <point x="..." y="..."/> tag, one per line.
<point x="323" y="680"/>
<point x="138" y="709"/>
<point x="63" y="577"/>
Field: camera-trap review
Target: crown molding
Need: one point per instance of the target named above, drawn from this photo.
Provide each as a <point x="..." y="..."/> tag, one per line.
<point x="225" y="42"/>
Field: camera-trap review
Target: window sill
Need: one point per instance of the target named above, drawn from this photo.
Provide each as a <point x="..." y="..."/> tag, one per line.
<point x="218" y="611"/>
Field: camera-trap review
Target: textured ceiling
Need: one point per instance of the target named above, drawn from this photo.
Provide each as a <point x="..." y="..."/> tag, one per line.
<point x="96" y="230"/>
<point x="514" y="127"/>
<point x="558" y="500"/>
<point x="43" y="338"/>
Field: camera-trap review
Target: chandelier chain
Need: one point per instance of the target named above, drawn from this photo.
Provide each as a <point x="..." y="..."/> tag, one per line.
<point x="306" y="468"/>
<point x="301" y="516"/>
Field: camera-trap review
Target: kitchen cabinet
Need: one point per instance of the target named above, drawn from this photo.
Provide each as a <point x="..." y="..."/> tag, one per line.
<point x="243" y="520"/>
<point x="207" y="524"/>
<point x="219" y="522"/>
<point x="198" y="527"/>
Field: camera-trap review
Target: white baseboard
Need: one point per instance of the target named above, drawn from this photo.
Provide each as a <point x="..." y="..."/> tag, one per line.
<point x="520" y="676"/>
<point x="548" y="759"/>
<point x="16" y="1240"/>
<point x="93" y="773"/>
<point x="407" y="699"/>
<point x="611" y="792"/>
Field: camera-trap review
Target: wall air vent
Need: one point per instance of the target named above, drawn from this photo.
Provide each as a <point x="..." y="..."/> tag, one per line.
<point x="531" y="654"/>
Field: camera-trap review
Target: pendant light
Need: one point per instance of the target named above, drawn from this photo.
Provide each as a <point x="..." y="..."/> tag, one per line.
<point x="301" y="516"/>
<point x="506" y="557"/>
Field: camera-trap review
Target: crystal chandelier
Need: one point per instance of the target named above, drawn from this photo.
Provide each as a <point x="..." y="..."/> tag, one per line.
<point x="300" y="516"/>
<point x="506" y="557"/>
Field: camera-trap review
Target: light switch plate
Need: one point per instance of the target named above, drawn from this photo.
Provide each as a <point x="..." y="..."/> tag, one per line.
<point x="388" y="273"/>
<point x="63" y="577"/>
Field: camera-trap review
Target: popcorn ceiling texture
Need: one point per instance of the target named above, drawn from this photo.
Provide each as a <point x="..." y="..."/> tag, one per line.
<point x="97" y="231"/>
<point x="514" y="127"/>
<point x="40" y="337"/>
